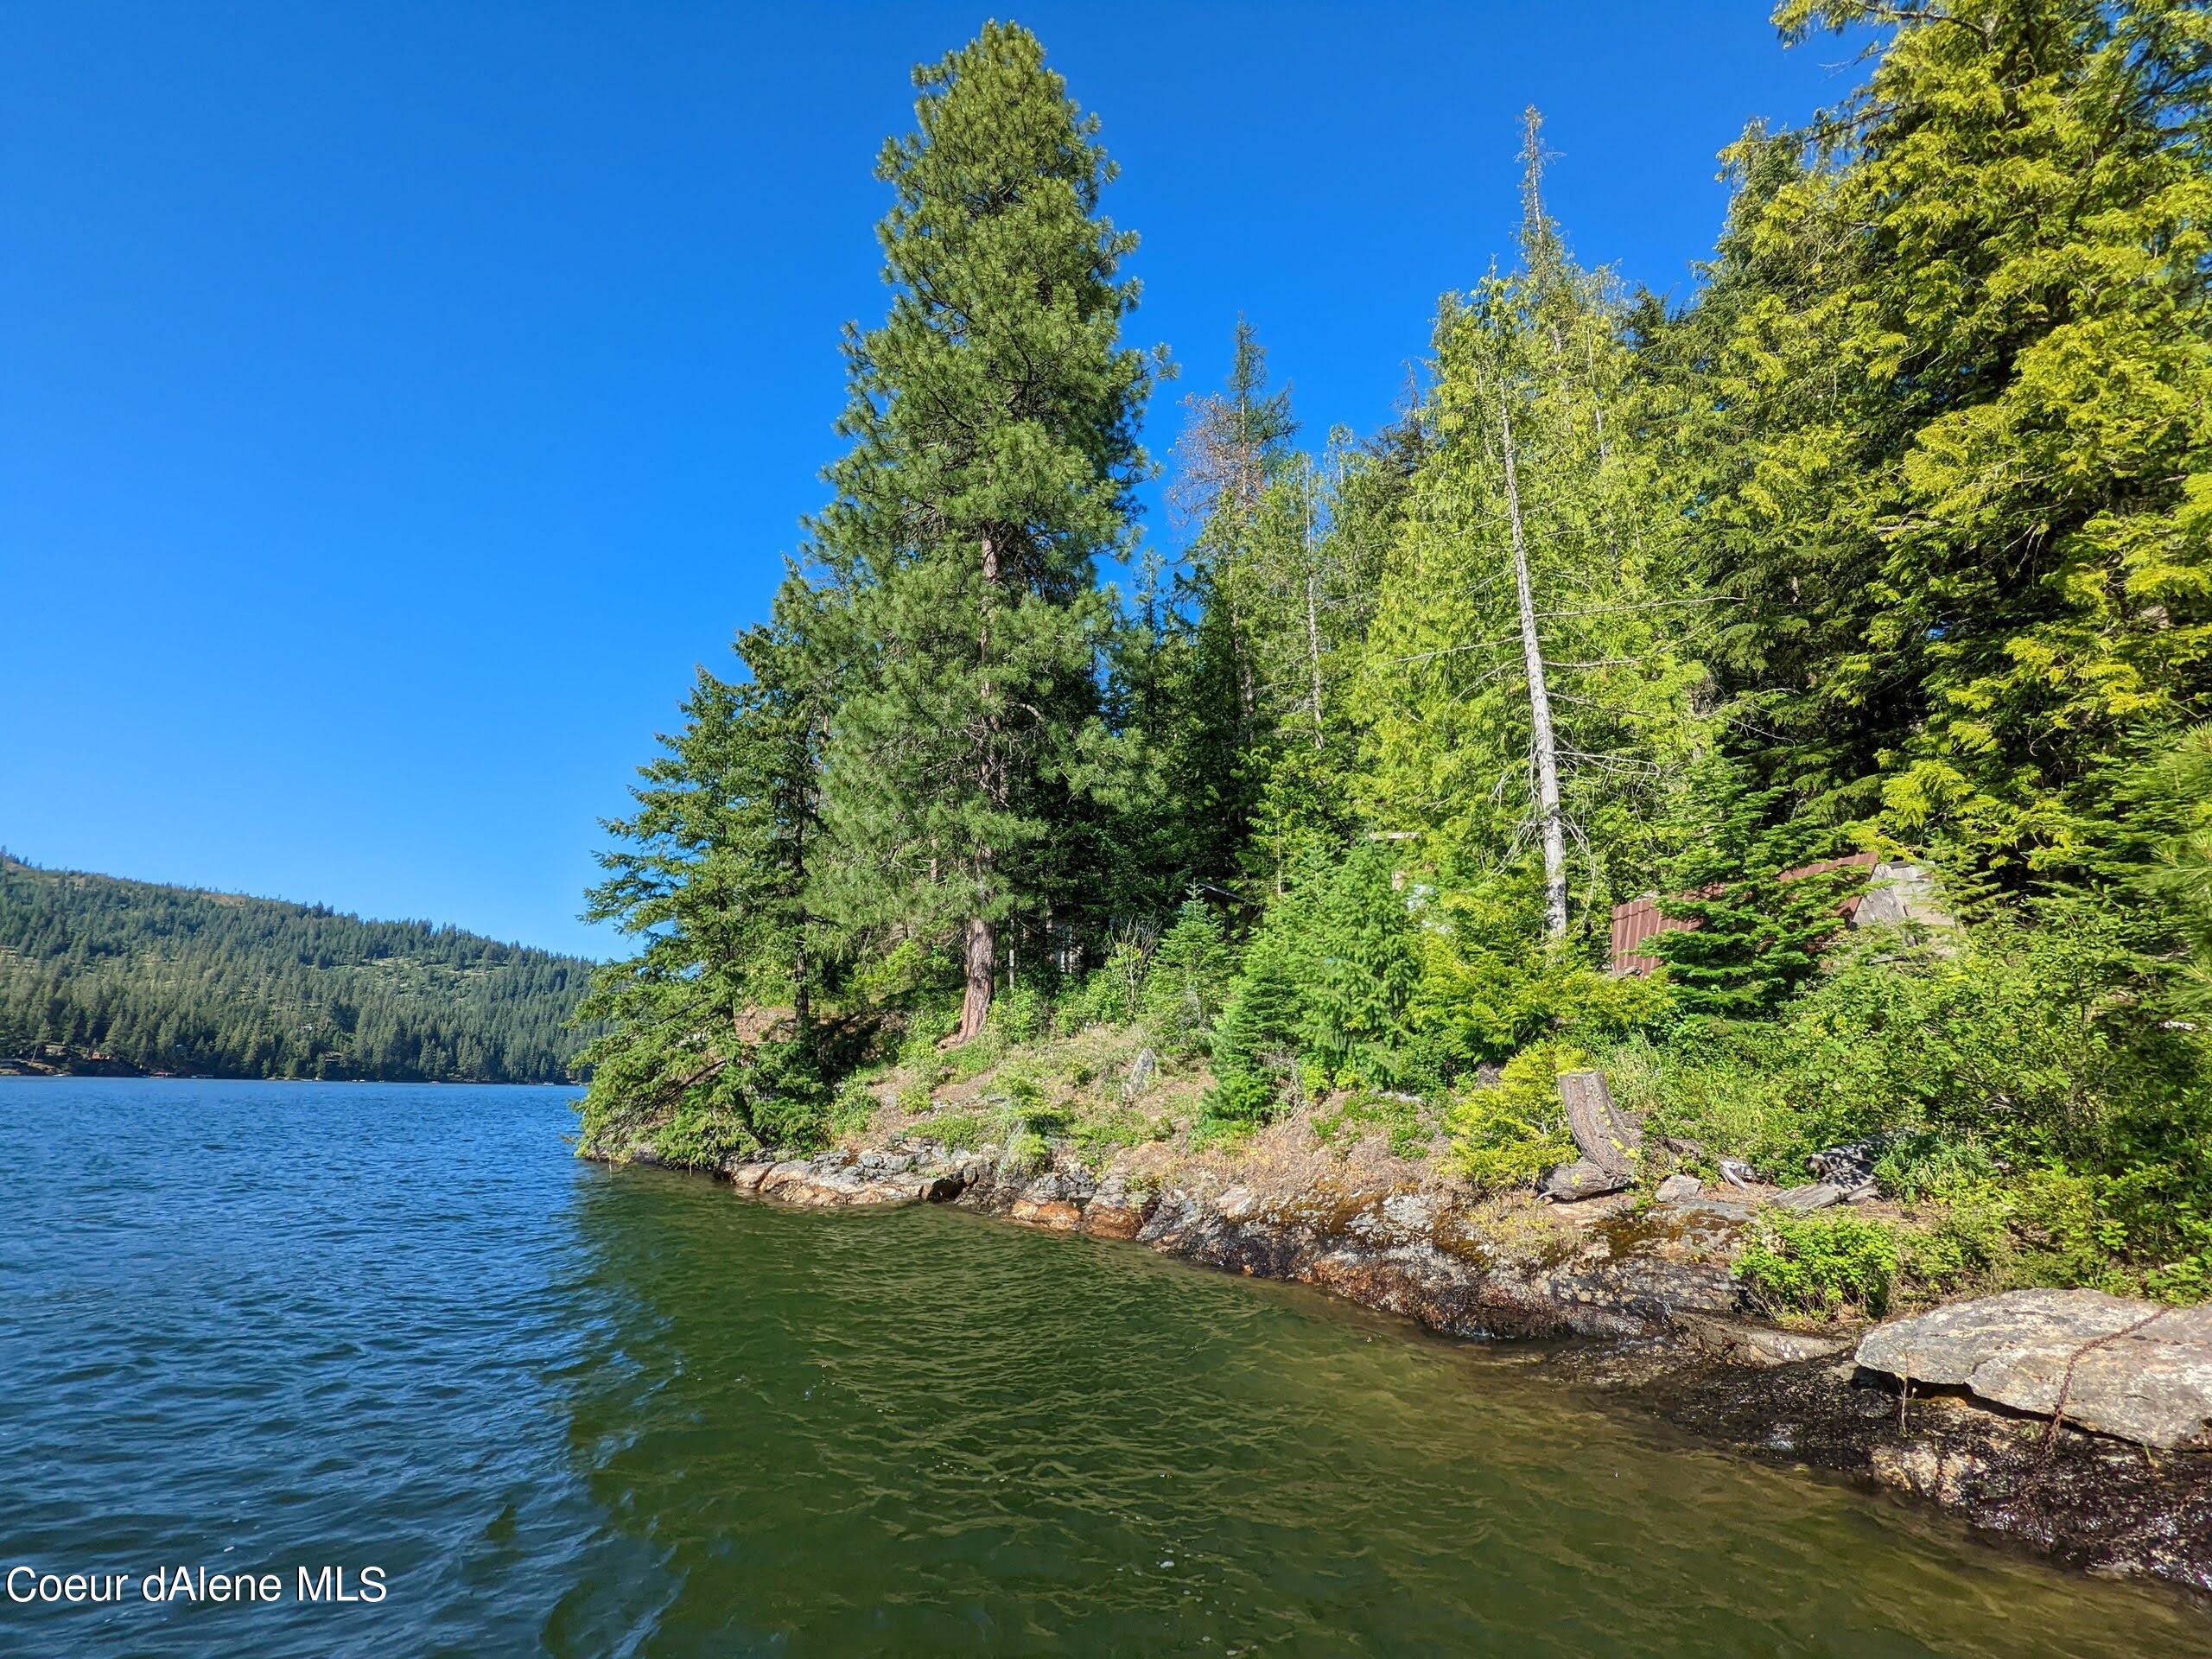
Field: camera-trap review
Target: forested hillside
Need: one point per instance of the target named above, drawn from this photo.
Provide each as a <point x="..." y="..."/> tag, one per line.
<point x="1895" y="539"/>
<point x="212" y="984"/>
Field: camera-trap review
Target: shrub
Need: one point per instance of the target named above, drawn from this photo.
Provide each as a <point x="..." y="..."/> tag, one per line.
<point x="1180" y="995"/>
<point x="1111" y="993"/>
<point x="927" y="1026"/>
<point x="976" y="1056"/>
<point x="1507" y="1136"/>
<point x="1354" y="945"/>
<point x="1757" y="937"/>
<point x="1098" y="1137"/>
<point x="1403" y="1119"/>
<point x="1025" y="1153"/>
<point x="1254" y="1044"/>
<point x="960" y="1131"/>
<point x="1023" y="1013"/>
<point x="853" y="1108"/>
<point x="1821" y="1263"/>
<point x="700" y="1136"/>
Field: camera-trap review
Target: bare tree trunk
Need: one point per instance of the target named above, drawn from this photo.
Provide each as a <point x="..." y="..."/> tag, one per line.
<point x="1539" y="708"/>
<point x="1313" y="618"/>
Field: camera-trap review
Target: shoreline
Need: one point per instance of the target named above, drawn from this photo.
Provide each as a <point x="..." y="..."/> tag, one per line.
<point x="1636" y="1296"/>
<point x="119" y="1072"/>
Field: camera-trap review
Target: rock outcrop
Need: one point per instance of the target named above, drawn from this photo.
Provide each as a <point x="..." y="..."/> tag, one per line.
<point x="2132" y="1370"/>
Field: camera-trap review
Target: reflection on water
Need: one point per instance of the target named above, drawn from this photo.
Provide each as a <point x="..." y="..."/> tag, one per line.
<point x="584" y="1413"/>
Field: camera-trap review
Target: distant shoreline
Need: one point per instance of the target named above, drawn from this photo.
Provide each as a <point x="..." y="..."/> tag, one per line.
<point x="113" y="1070"/>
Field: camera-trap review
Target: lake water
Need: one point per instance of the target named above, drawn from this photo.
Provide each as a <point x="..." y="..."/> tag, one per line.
<point x="570" y="1411"/>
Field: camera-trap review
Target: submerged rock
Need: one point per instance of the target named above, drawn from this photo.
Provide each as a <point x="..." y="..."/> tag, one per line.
<point x="1740" y="1342"/>
<point x="2132" y="1370"/>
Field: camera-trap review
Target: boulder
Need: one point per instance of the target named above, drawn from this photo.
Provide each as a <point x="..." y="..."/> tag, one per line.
<point x="1679" y="1189"/>
<point x="1115" y="1211"/>
<point x="1055" y="1215"/>
<point x="1803" y="1200"/>
<point x="1143" y="1070"/>
<point x="1900" y="894"/>
<point x="2132" y="1370"/>
<point x="1582" y="1179"/>
<point x="1054" y="1200"/>
<point x="747" y="1178"/>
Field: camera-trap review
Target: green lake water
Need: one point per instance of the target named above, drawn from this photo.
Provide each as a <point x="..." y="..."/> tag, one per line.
<point x="573" y="1411"/>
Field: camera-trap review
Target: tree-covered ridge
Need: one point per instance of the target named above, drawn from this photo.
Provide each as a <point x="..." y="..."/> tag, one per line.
<point x="176" y="979"/>
<point x="1894" y="541"/>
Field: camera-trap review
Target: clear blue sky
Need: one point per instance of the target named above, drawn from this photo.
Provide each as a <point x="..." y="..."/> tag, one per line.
<point x="398" y="400"/>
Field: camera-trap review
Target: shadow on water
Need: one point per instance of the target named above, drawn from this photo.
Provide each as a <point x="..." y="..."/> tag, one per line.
<point x="924" y="1431"/>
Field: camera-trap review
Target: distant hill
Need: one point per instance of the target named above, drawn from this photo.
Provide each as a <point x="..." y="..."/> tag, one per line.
<point x="98" y="974"/>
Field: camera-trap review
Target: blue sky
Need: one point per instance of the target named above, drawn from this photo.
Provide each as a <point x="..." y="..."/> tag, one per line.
<point x="398" y="400"/>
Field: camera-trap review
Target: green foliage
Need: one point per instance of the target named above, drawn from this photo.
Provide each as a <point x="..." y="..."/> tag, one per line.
<point x="1099" y="1136"/>
<point x="710" y="879"/>
<point x="1537" y="363"/>
<point x="1899" y="536"/>
<point x="2027" y="1047"/>
<point x="1406" y="1125"/>
<point x="1024" y="1014"/>
<point x="1180" y="995"/>
<point x="1758" y="912"/>
<point x="173" y="979"/>
<point x="2170" y="799"/>
<point x="1507" y="1136"/>
<point x="1821" y="1263"/>
<point x="1357" y="963"/>
<point x="699" y="1135"/>
<point x="1950" y="400"/>
<point x="1113" y="993"/>
<point x="992" y="418"/>
<point x="1255" y="1052"/>
<point x="1323" y="993"/>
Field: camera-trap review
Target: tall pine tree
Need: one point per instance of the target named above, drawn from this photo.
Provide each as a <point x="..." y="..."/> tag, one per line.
<point x="993" y="419"/>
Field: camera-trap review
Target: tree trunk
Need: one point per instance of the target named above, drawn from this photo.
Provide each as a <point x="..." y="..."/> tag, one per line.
<point x="1539" y="708"/>
<point x="981" y="961"/>
<point x="980" y="954"/>
<point x="1312" y="618"/>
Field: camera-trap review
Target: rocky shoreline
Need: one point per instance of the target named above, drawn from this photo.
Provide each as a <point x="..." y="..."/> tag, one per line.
<point x="1644" y="1290"/>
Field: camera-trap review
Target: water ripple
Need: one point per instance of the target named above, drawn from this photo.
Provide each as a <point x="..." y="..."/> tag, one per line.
<point x="573" y="1412"/>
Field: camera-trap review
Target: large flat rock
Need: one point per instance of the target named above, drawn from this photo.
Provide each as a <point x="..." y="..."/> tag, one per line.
<point x="2138" y="1370"/>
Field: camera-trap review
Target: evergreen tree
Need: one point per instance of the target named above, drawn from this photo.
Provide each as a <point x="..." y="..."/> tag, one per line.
<point x="992" y="421"/>
<point x="1957" y="404"/>
<point x="1526" y="684"/>
<point x="94" y="970"/>
<point x="715" y="885"/>
<point x="1754" y="936"/>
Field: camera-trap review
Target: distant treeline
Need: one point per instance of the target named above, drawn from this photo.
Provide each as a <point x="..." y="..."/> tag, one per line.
<point x="212" y="984"/>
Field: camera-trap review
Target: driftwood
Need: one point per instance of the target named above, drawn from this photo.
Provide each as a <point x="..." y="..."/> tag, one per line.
<point x="1607" y="1138"/>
